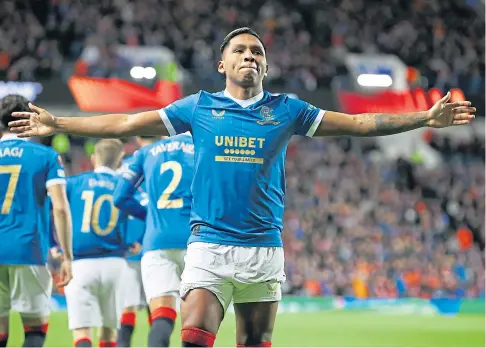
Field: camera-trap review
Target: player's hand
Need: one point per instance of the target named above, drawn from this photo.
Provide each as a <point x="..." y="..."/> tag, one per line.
<point x="135" y="249"/>
<point x="65" y="273"/>
<point x="39" y="122"/>
<point x="445" y="114"/>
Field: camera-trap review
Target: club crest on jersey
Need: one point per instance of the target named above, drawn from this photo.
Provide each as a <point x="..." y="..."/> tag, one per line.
<point x="218" y="114"/>
<point x="268" y="117"/>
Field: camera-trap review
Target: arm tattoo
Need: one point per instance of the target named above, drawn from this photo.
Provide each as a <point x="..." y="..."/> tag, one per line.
<point x="386" y="124"/>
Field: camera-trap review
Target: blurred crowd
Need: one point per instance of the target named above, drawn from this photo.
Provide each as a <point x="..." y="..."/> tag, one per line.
<point x="306" y="39"/>
<point x="359" y="225"/>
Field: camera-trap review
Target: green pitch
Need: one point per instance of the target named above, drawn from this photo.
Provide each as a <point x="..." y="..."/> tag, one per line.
<point x="337" y="329"/>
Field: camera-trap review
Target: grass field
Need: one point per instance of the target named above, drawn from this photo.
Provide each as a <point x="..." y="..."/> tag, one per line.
<point x="336" y="329"/>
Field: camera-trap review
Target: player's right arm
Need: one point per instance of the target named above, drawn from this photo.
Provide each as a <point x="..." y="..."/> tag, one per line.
<point x="171" y="120"/>
<point x="40" y="122"/>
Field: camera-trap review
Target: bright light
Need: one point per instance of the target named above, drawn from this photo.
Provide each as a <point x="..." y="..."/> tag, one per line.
<point x="375" y="80"/>
<point x="149" y="73"/>
<point x="137" y="72"/>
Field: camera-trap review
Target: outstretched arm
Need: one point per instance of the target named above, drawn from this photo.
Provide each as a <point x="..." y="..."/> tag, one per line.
<point x="40" y="122"/>
<point x="442" y="114"/>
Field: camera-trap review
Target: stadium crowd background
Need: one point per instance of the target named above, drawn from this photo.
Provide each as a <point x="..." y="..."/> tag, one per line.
<point x="356" y="223"/>
<point x="306" y="39"/>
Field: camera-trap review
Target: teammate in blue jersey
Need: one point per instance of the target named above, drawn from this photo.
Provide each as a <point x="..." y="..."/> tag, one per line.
<point x="100" y="242"/>
<point x="166" y="168"/>
<point x="28" y="172"/>
<point x="240" y="137"/>
<point x="134" y="292"/>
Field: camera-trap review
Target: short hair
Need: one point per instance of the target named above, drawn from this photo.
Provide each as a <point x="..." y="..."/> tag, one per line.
<point x="240" y="31"/>
<point x="109" y="152"/>
<point x="12" y="103"/>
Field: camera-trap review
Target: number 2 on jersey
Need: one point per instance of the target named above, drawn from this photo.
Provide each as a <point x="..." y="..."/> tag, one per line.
<point x="14" y="171"/>
<point x="91" y="213"/>
<point x="164" y="202"/>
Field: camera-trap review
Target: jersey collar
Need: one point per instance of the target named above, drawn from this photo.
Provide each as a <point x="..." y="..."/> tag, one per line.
<point x="244" y="102"/>
<point x="11" y="136"/>
<point x="105" y="170"/>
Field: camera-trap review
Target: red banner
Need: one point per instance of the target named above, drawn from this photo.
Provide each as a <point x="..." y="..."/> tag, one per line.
<point x="393" y="101"/>
<point x="116" y="95"/>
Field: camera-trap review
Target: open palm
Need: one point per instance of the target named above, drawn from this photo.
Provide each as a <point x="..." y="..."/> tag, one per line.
<point x="445" y="114"/>
<point x="39" y="122"/>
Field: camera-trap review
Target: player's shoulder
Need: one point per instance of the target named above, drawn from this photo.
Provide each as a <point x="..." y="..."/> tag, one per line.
<point x="27" y="144"/>
<point x="32" y="154"/>
<point x="146" y="149"/>
<point x="187" y="101"/>
<point x="209" y="98"/>
<point x="80" y="177"/>
<point x="183" y="137"/>
<point x="283" y="98"/>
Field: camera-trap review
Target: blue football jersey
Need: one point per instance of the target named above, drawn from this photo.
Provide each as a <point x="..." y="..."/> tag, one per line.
<point x="26" y="170"/>
<point x="135" y="227"/>
<point x="99" y="228"/>
<point x="167" y="168"/>
<point x="240" y="146"/>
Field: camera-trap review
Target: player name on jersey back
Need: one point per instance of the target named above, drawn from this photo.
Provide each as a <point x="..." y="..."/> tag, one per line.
<point x="11" y="152"/>
<point x="240" y="146"/>
<point x="171" y="146"/>
<point x="109" y="184"/>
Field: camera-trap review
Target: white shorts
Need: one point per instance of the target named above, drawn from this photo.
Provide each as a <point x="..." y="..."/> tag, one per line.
<point x="132" y="282"/>
<point x="26" y="289"/>
<point x="241" y="274"/>
<point x="161" y="272"/>
<point x="95" y="295"/>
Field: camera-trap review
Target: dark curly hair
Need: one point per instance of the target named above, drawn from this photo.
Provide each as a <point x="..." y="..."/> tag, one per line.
<point x="12" y="103"/>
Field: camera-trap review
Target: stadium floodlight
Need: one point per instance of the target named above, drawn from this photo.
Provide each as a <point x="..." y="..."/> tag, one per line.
<point x="137" y="72"/>
<point x="149" y="73"/>
<point x="375" y="80"/>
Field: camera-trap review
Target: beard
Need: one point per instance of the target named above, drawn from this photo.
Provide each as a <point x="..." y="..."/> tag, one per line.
<point x="249" y="80"/>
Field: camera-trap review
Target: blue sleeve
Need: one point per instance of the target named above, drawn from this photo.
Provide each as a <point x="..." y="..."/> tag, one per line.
<point x="55" y="170"/>
<point x="306" y="116"/>
<point x="124" y="200"/>
<point x="178" y="116"/>
<point x="132" y="169"/>
<point x="131" y="176"/>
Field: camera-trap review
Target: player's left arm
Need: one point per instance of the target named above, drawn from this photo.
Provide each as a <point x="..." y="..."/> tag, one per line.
<point x="123" y="198"/>
<point x="131" y="176"/>
<point x="442" y="114"/>
<point x="56" y="188"/>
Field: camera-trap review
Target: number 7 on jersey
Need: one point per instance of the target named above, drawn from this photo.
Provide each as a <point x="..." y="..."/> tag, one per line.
<point x="14" y="171"/>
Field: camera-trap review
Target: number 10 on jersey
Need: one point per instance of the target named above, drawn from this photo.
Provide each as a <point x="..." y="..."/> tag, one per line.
<point x="91" y="213"/>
